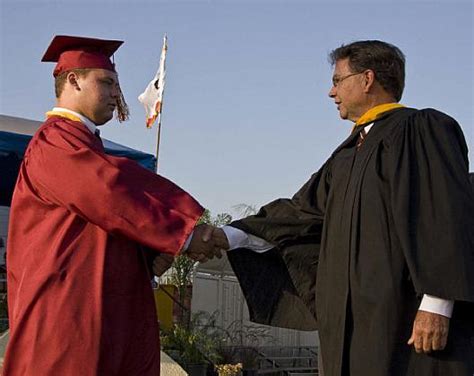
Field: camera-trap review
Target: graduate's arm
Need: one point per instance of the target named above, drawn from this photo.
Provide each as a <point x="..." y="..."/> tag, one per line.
<point x="115" y="194"/>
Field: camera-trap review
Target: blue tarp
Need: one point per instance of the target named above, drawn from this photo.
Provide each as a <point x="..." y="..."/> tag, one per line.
<point x="12" y="149"/>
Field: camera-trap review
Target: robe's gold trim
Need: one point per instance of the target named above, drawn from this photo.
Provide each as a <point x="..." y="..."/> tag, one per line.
<point x="375" y="112"/>
<point x="66" y="115"/>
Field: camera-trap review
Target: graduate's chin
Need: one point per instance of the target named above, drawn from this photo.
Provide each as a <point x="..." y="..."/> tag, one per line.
<point x="104" y="119"/>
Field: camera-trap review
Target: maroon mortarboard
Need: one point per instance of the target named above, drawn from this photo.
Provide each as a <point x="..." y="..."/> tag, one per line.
<point x="78" y="52"/>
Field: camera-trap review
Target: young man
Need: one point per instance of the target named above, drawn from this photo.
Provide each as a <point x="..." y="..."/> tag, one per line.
<point x="79" y="293"/>
<point x="379" y="244"/>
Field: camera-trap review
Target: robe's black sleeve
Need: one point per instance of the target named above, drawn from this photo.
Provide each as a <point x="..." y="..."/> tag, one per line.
<point x="433" y="204"/>
<point x="279" y="285"/>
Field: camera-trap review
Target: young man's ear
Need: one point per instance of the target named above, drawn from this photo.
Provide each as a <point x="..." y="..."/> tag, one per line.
<point x="72" y="79"/>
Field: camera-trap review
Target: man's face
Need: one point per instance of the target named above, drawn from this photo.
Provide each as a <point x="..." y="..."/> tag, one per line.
<point x="98" y="96"/>
<point x="348" y="91"/>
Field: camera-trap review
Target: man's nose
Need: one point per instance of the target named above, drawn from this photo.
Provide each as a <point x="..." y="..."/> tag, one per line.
<point x="332" y="92"/>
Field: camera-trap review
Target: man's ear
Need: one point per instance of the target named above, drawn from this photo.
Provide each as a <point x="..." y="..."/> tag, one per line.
<point x="73" y="79"/>
<point x="369" y="80"/>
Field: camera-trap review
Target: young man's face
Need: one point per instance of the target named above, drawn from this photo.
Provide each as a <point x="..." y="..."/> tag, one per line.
<point x="99" y="93"/>
<point x="348" y="91"/>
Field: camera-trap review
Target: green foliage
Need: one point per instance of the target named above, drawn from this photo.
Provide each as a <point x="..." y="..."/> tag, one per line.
<point x="205" y="218"/>
<point x="182" y="269"/>
<point x="204" y="341"/>
<point x="219" y="220"/>
<point x="194" y="344"/>
<point x="181" y="277"/>
<point x="222" y="219"/>
<point x="186" y="342"/>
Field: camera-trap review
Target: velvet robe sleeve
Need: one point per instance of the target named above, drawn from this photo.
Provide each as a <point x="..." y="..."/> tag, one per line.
<point x="433" y="204"/>
<point x="279" y="285"/>
<point x="113" y="193"/>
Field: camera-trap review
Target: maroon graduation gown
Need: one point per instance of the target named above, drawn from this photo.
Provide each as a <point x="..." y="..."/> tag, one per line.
<point x="79" y="295"/>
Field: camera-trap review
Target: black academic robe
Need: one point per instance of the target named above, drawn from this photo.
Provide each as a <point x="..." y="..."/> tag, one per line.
<point x="361" y="242"/>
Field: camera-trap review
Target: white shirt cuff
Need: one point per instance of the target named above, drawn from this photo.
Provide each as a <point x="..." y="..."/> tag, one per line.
<point x="240" y="239"/>
<point x="440" y="306"/>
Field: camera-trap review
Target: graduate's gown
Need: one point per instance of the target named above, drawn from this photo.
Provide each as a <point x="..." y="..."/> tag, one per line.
<point x="360" y="243"/>
<point x="79" y="293"/>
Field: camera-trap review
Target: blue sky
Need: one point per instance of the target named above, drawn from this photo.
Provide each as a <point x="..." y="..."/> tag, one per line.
<point x="246" y="116"/>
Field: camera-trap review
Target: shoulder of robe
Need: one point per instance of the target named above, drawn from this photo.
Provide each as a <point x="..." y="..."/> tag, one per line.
<point x="62" y="132"/>
<point x="430" y="118"/>
<point x="426" y="123"/>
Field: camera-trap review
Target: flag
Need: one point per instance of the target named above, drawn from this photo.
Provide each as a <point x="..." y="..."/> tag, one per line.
<point x="152" y="97"/>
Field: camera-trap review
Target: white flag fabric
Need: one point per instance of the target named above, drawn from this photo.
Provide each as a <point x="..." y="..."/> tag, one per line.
<point x="152" y="97"/>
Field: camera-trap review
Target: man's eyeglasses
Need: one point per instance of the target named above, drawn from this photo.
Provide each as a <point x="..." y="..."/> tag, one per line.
<point x="337" y="80"/>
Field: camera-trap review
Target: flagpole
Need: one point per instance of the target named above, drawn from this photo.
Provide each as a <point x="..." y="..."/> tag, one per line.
<point x="158" y="139"/>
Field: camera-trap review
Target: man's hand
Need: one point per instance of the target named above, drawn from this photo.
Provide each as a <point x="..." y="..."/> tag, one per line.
<point x="162" y="263"/>
<point x="430" y="332"/>
<point x="220" y="239"/>
<point x="207" y="242"/>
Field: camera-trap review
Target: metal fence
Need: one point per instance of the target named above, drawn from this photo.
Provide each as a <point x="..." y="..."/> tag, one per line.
<point x="288" y="360"/>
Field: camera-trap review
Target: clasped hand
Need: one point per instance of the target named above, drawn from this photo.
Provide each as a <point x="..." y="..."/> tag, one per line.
<point x="206" y="243"/>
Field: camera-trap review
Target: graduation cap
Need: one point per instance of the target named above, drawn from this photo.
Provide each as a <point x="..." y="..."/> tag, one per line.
<point x="70" y="52"/>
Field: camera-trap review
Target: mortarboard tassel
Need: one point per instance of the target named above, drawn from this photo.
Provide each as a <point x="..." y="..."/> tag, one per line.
<point x="123" y="112"/>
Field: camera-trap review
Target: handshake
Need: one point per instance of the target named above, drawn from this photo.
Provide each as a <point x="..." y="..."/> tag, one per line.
<point x="206" y="243"/>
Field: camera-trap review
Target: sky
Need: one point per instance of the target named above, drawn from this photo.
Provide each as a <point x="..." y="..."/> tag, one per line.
<point x="246" y="115"/>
